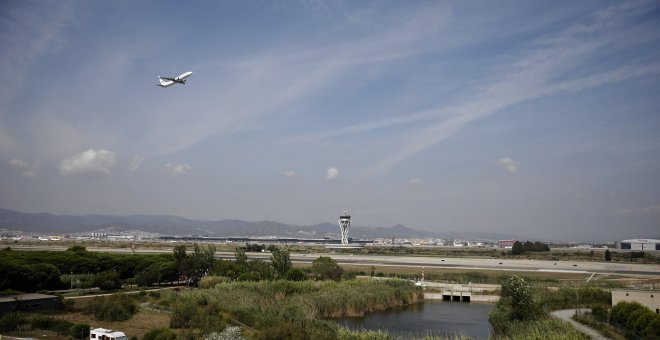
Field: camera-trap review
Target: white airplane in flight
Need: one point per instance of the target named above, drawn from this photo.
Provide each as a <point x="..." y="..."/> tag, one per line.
<point x="181" y="79"/>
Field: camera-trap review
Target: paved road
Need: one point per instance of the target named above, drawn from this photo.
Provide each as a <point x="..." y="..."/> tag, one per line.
<point x="566" y="314"/>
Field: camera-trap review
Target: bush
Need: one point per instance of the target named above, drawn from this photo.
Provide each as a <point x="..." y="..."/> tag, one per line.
<point x="79" y="331"/>
<point x="637" y="319"/>
<point x="517" y="294"/>
<point x="296" y="274"/>
<point x="113" y="308"/>
<point x="159" y="334"/>
<point x="41" y="322"/>
<point x="211" y="281"/>
<point x="325" y="268"/>
<point x="599" y="312"/>
<point x="11" y="321"/>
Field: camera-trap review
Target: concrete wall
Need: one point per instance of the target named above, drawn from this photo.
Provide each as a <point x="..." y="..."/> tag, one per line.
<point x="473" y="298"/>
<point x="648" y="298"/>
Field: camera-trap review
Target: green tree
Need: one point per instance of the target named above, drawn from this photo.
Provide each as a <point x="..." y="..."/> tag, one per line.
<point x="200" y="262"/>
<point x="239" y="255"/>
<point x="608" y="255"/>
<point x="517" y="248"/>
<point x="281" y="262"/>
<point x="518" y="295"/>
<point x="325" y="268"/>
<point x="76" y="249"/>
<point x="107" y="280"/>
<point x="181" y="261"/>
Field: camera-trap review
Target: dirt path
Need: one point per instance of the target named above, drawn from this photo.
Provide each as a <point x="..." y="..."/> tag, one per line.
<point x="566" y="314"/>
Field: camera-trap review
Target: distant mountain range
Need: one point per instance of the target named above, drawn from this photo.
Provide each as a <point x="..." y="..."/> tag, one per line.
<point x="174" y="225"/>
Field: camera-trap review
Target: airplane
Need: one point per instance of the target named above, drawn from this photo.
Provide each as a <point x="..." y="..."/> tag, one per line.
<point x="181" y="79"/>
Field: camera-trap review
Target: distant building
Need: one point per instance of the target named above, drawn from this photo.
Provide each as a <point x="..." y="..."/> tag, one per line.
<point x="648" y="298"/>
<point x="507" y="244"/>
<point x="641" y="244"/>
<point x="28" y="303"/>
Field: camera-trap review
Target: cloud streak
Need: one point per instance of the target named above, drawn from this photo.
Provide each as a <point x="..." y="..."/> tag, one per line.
<point x="26" y="169"/>
<point x="524" y="79"/>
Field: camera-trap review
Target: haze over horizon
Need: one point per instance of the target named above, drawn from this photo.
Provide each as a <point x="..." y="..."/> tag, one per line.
<point x="521" y="117"/>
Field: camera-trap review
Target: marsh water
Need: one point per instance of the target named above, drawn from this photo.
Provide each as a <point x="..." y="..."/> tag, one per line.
<point x="431" y="318"/>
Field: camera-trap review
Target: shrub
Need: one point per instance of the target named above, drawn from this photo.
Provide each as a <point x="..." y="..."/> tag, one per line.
<point x="211" y="281"/>
<point x="79" y="331"/>
<point x="518" y="295"/>
<point x="636" y="318"/>
<point x="11" y="321"/>
<point x="296" y="274"/>
<point x="599" y="312"/>
<point x="41" y="322"/>
<point x="113" y="308"/>
<point x="159" y="334"/>
<point x="326" y="268"/>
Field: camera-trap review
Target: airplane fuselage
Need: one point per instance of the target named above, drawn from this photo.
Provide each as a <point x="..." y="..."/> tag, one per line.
<point x="181" y="79"/>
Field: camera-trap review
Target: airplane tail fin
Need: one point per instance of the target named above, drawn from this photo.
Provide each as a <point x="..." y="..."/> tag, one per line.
<point x="162" y="82"/>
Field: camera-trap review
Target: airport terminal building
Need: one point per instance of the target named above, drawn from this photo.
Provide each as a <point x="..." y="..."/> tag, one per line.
<point x="641" y="244"/>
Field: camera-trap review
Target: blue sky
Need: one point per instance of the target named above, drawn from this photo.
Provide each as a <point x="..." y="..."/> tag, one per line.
<point x="535" y="118"/>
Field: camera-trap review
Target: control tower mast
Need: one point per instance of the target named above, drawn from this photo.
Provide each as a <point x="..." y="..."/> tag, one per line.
<point x="344" y="225"/>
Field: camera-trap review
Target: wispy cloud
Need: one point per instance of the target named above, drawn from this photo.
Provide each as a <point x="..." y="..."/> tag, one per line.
<point x="26" y="169"/>
<point x="508" y="164"/>
<point x="285" y="77"/>
<point x="653" y="209"/>
<point x="90" y="162"/>
<point x="178" y="169"/>
<point x="527" y="75"/>
<point x="136" y="162"/>
<point x="29" y="30"/>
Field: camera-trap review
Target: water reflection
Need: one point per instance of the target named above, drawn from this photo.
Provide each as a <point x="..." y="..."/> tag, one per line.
<point x="431" y="318"/>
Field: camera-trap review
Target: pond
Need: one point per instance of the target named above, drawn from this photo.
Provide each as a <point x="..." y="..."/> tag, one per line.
<point x="431" y="318"/>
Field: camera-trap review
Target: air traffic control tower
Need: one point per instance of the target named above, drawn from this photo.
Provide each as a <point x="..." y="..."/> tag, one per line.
<point x="344" y="225"/>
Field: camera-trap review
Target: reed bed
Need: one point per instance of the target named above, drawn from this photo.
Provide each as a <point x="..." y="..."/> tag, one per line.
<point x="542" y="329"/>
<point x="287" y="309"/>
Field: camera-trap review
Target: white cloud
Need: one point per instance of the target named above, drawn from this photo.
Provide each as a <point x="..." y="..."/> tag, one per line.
<point x="509" y="164"/>
<point x="289" y="174"/>
<point x="136" y="162"/>
<point x="415" y="181"/>
<point x="89" y="162"/>
<point x="178" y="169"/>
<point x="26" y="169"/>
<point x="331" y="174"/>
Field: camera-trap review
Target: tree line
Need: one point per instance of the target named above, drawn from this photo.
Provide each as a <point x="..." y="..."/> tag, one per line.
<point x="79" y="268"/>
<point x="520" y="248"/>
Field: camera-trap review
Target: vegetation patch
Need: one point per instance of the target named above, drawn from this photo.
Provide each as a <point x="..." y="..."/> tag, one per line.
<point x="113" y="308"/>
<point x="286" y="309"/>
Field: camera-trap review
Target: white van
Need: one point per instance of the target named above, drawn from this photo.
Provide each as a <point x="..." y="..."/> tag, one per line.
<point x="106" y="334"/>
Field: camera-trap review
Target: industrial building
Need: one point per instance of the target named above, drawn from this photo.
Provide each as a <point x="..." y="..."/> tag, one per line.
<point x="641" y="244"/>
<point x="648" y="298"/>
<point x="28" y="303"/>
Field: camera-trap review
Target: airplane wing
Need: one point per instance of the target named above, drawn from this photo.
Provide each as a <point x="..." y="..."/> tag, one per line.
<point x="165" y="78"/>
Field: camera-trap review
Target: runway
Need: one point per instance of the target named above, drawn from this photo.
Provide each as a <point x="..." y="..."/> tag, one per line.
<point x="469" y="263"/>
